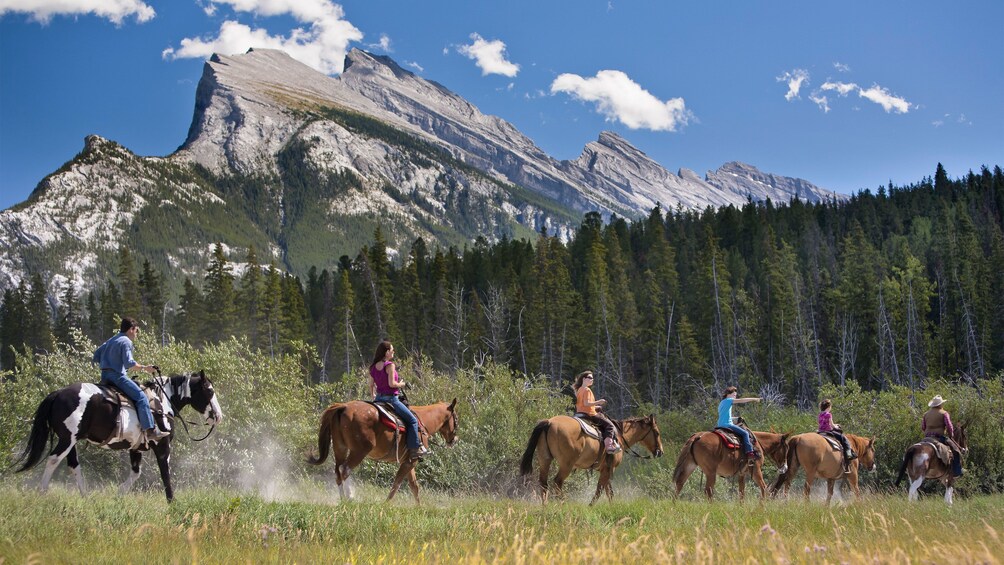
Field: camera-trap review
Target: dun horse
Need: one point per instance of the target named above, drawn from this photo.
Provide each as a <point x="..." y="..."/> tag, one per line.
<point x="921" y="462"/>
<point x="561" y="439"/>
<point x="823" y="461"/>
<point x="81" y="412"/>
<point x="353" y="431"/>
<point x="707" y="451"/>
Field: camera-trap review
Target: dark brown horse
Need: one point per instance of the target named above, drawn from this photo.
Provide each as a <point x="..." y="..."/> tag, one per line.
<point x="707" y="451"/>
<point x="561" y="439"/>
<point x="354" y="432"/>
<point x="921" y="462"/>
<point x="822" y="461"/>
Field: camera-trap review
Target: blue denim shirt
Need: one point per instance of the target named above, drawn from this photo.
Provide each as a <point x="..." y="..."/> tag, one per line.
<point x="115" y="355"/>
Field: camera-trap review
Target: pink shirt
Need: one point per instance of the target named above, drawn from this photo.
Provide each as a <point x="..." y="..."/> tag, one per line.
<point x="382" y="380"/>
<point x="825" y="422"/>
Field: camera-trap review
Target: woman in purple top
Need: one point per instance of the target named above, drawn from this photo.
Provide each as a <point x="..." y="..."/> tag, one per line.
<point x="826" y="425"/>
<point x="386" y="387"/>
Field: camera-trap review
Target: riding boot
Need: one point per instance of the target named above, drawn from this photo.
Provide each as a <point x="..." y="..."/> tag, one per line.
<point x="611" y="445"/>
<point x="415" y="453"/>
<point x="153" y="435"/>
<point x="850" y="455"/>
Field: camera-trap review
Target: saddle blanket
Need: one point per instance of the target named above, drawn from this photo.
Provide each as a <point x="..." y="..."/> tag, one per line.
<point x="587" y="427"/>
<point x="944" y="452"/>
<point x="833" y="441"/>
<point x="388" y="417"/>
<point x="729" y="438"/>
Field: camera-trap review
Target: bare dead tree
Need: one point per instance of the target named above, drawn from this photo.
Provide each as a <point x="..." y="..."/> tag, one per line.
<point x="848" y="348"/>
<point x="974" y="359"/>
<point x="499" y="322"/>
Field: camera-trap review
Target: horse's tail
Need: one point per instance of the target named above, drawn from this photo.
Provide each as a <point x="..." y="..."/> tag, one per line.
<point x="526" y="464"/>
<point x="906" y="462"/>
<point x="40" y="435"/>
<point x="329" y="419"/>
<point x="686" y="453"/>
<point x="790" y="463"/>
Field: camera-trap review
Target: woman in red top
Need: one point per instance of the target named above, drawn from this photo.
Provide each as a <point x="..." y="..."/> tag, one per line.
<point x="385" y="386"/>
<point x="586" y="407"/>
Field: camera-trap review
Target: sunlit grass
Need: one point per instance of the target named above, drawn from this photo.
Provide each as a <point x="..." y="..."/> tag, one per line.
<point x="216" y="526"/>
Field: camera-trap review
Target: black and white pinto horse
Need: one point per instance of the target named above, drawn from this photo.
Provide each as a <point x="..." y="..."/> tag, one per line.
<point x="80" y="412"/>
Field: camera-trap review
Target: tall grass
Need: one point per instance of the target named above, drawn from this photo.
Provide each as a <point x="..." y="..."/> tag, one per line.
<point x="218" y="526"/>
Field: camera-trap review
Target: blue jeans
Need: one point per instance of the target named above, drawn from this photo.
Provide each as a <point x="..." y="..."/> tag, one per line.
<point x="132" y="390"/>
<point x="406" y="415"/>
<point x="743" y="435"/>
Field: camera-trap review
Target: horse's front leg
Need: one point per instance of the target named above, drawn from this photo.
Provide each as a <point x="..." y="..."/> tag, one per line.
<point x="406" y="467"/>
<point x="78" y="473"/>
<point x="948" y="490"/>
<point x="413" y="483"/>
<point x="601" y="484"/>
<point x="162" y="450"/>
<point x="742" y="486"/>
<point x="135" y="466"/>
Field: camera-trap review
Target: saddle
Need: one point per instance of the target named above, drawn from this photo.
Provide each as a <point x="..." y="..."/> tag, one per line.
<point x="390" y="419"/>
<point x="832" y="440"/>
<point x="587" y="427"/>
<point x="943" y="451"/>
<point x="114" y="396"/>
<point x="729" y="438"/>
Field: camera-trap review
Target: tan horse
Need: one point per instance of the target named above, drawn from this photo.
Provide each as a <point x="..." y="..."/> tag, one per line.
<point x="355" y="432"/>
<point x="812" y="451"/>
<point x="707" y="451"/>
<point x="921" y="462"/>
<point x="561" y="439"/>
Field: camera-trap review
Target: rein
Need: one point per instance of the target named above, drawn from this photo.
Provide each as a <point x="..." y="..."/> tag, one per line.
<point x="177" y="411"/>
<point x="630" y="449"/>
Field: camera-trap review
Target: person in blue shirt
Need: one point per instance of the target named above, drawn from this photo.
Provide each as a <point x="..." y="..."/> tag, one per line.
<point x="725" y="419"/>
<point x="115" y="359"/>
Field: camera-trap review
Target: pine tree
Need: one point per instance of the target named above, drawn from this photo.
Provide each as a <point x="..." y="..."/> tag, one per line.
<point x="249" y="300"/>
<point x="67" y="317"/>
<point x="151" y="292"/>
<point x="131" y="304"/>
<point x="191" y="320"/>
<point x="13" y="313"/>
<point x="220" y="303"/>
<point x="38" y="324"/>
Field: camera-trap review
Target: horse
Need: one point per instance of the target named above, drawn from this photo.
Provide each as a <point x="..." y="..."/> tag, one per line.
<point x="561" y="438"/>
<point x="821" y="460"/>
<point x="352" y="431"/>
<point x="80" y="412"/>
<point x="708" y="451"/>
<point x="921" y="462"/>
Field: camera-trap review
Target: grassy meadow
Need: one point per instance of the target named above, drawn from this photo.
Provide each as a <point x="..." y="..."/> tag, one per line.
<point x="220" y="526"/>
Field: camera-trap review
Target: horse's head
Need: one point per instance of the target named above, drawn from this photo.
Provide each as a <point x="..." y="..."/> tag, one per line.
<point x="197" y="390"/>
<point x="961" y="438"/>
<point x="450" y="425"/>
<point x="780" y="453"/>
<point x="647" y="433"/>
<point x="866" y="455"/>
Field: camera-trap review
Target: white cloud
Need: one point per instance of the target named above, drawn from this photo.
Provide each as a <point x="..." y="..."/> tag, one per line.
<point x="841" y="67"/>
<point x="113" y="10"/>
<point x="820" y="101"/>
<point x="794" y="78"/>
<point x="621" y="99"/>
<point x="322" y="45"/>
<point x="938" y="123"/>
<point x="415" y="66"/>
<point x="383" y="44"/>
<point x="884" y="98"/>
<point x="842" y="88"/>
<point x="489" y="56"/>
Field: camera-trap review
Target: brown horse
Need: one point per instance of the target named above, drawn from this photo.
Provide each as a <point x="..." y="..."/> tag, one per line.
<point x="821" y="460"/>
<point x="561" y="439"/>
<point x="707" y="451"/>
<point x="355" y="431"/>
<point x="921" y="462"/>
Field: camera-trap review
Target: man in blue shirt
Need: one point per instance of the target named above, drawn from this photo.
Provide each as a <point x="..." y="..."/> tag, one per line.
<point x="115" y="359"/>
<point x="725" y="419"/>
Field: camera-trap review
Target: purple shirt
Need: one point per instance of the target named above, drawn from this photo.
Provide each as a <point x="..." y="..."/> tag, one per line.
<point x="825" y="422"/>
<point x="382" y="380"/>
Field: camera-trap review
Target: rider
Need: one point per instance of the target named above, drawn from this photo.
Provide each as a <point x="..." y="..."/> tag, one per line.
<point x="725" y="420"/>
<point x="826" y="424"/>
<point x="386" y="387"/>
<point x="586" y="407"/>
<point x="115" y="359"/>
<point x="937" y="423"/>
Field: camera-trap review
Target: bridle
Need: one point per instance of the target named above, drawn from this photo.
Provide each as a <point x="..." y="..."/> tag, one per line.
<point x="177" y="410"/>
<point x="630" y="449"/>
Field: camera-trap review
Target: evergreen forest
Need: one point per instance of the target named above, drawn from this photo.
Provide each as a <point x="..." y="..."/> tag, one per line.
<point x="895" y="286"/>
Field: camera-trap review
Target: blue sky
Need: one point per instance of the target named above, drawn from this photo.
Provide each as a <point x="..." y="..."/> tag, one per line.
<point x="849" y="95"/>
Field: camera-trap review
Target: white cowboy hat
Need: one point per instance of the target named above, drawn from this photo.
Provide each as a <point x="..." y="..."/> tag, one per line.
<point x="936" y="401"/>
